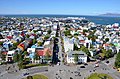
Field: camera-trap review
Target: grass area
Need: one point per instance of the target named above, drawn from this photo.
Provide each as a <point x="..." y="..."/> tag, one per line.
<point x="38" y="76"/>
<point x="99" y="76"/>
<point x="34" y="65"/>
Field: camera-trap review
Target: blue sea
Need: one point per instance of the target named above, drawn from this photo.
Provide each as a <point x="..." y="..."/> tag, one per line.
<point x="96" y="19"/>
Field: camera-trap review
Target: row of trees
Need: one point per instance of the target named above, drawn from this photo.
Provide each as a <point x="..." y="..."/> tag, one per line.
<point x="117" y="60"/>
<point x="67" y="32"/>
<point x="105" y="54"/>
<point x="1" y="43"/>
<point x="82" y="48"/>
<point x="76" y="58"/>
<point x="46" y="37"/>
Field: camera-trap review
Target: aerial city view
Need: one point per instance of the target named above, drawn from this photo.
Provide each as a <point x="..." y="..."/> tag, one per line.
<point x="59" y="39"/>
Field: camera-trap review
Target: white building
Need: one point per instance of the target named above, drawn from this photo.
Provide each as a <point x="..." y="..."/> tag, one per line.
<point x="46" y="43"/>
<point x="87" y="43"/>
<point x="9" y="56"/>
<point x="82" y="57"/>
<point x="30" y="50"/>
<point x="68" y="44"/>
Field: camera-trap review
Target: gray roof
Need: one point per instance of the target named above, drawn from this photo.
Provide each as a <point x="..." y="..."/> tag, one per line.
<point x="80" y="53"/>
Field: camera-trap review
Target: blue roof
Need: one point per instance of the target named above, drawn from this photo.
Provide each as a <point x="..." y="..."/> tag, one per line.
<point x="31" y="55"/>
<point x="40" y="47"/>
<point x="33" y="46"/>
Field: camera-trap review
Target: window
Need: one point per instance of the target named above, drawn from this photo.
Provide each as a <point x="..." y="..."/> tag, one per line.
<point x="30" y="51"/>
<point x="9" y="55"/>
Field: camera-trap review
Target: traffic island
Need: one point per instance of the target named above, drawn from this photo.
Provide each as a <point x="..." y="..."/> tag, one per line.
<point x="37" y="76"/>
<point x="99" y="76"/>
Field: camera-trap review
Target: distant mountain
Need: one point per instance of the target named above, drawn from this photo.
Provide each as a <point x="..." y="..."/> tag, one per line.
<point x="110" y="15"/>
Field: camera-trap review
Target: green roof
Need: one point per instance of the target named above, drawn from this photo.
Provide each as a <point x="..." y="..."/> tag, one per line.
<point x="117" y="44"/>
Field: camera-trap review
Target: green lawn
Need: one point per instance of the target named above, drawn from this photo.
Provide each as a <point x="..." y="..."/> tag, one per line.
<point x="38" y="76"/>
<point x="34" y="65"/>
<point x="99" y="76"/>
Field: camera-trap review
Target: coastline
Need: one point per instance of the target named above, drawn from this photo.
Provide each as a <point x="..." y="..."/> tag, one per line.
<point x="103" y="20"/>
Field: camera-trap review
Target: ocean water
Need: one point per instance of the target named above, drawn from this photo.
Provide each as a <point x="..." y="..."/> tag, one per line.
<point x="95" y="19"/>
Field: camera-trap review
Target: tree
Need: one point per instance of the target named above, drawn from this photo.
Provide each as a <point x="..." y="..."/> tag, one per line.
<point x="20" y="65"/>
<point x="1" y="43"/>
<point x="84" y="31"/>
<point x="34" y="31"/>
<point x="49" y="31"/>
<point x="83" y="48"/>
<point x="46" y="37"/>
<point x="117" y="60"/>
<point x="75" y="47"/>
<point x="112" y="44"/>
<point x="3" y="57"/>
<point x="16" y="57"/>
<point x="36" y="57"/>
<point x="34" y="41"/>
<point x="25" y="53"/>
<point x="76" y="34"/>
<point x="108" y="53"/>
<point x="89" y="36"/>
<point x="76" y="58"/>
<point x="107" y="39"/>
<point x="20" y="57"/>
<point x="118" y="33"/>
<point x="11" y="48"/>
<point x="67" y="26"/>
<point x="15" y="44"/>
<point x="103" y="53"/>
<point x="47" y="55"/>
<point x="26" y="61"/>
<point x="91" y="46"/>
<point x="67" y="32"/>
<point x="94" y="38"/>
<point x="39" y="43"/>
<point x="27" y="36"/>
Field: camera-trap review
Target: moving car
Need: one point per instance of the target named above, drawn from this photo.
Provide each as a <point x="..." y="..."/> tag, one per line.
<point x="25" y="74"/>
<point x="82" y="66"/>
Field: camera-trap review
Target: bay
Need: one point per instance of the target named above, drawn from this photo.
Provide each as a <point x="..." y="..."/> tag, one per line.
<point x="96" y="19"/>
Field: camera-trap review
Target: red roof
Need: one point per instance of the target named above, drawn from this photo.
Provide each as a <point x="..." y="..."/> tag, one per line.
<point x="22" y="45"/>
<point x="33" y="34"/>
<point x="22" y="34"/>
<point x="43" y="52"/>
<point x="82" y="41"/>
<point x="40" y="52"/>
<point x="9" y="37"/>
<point x="106" y="44"/>
<point x="47" y="50"/>
<point x="4" y="53"/>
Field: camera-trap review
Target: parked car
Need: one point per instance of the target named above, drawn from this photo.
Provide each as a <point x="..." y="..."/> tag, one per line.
<point x="82" y="66"/>
<point x="96" y="65"/>
<point x="25" y="74"/>
<point x="85" y="64"/>
<point x="107" y="62"/>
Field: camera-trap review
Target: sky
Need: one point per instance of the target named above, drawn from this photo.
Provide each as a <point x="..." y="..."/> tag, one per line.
<point x="67" y="7"/>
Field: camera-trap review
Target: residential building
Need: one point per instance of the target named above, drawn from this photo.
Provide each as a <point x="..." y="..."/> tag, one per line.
<point x="68" y="44"/>
<point x="9" y="56"/>
<point x="82" y="57"/>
